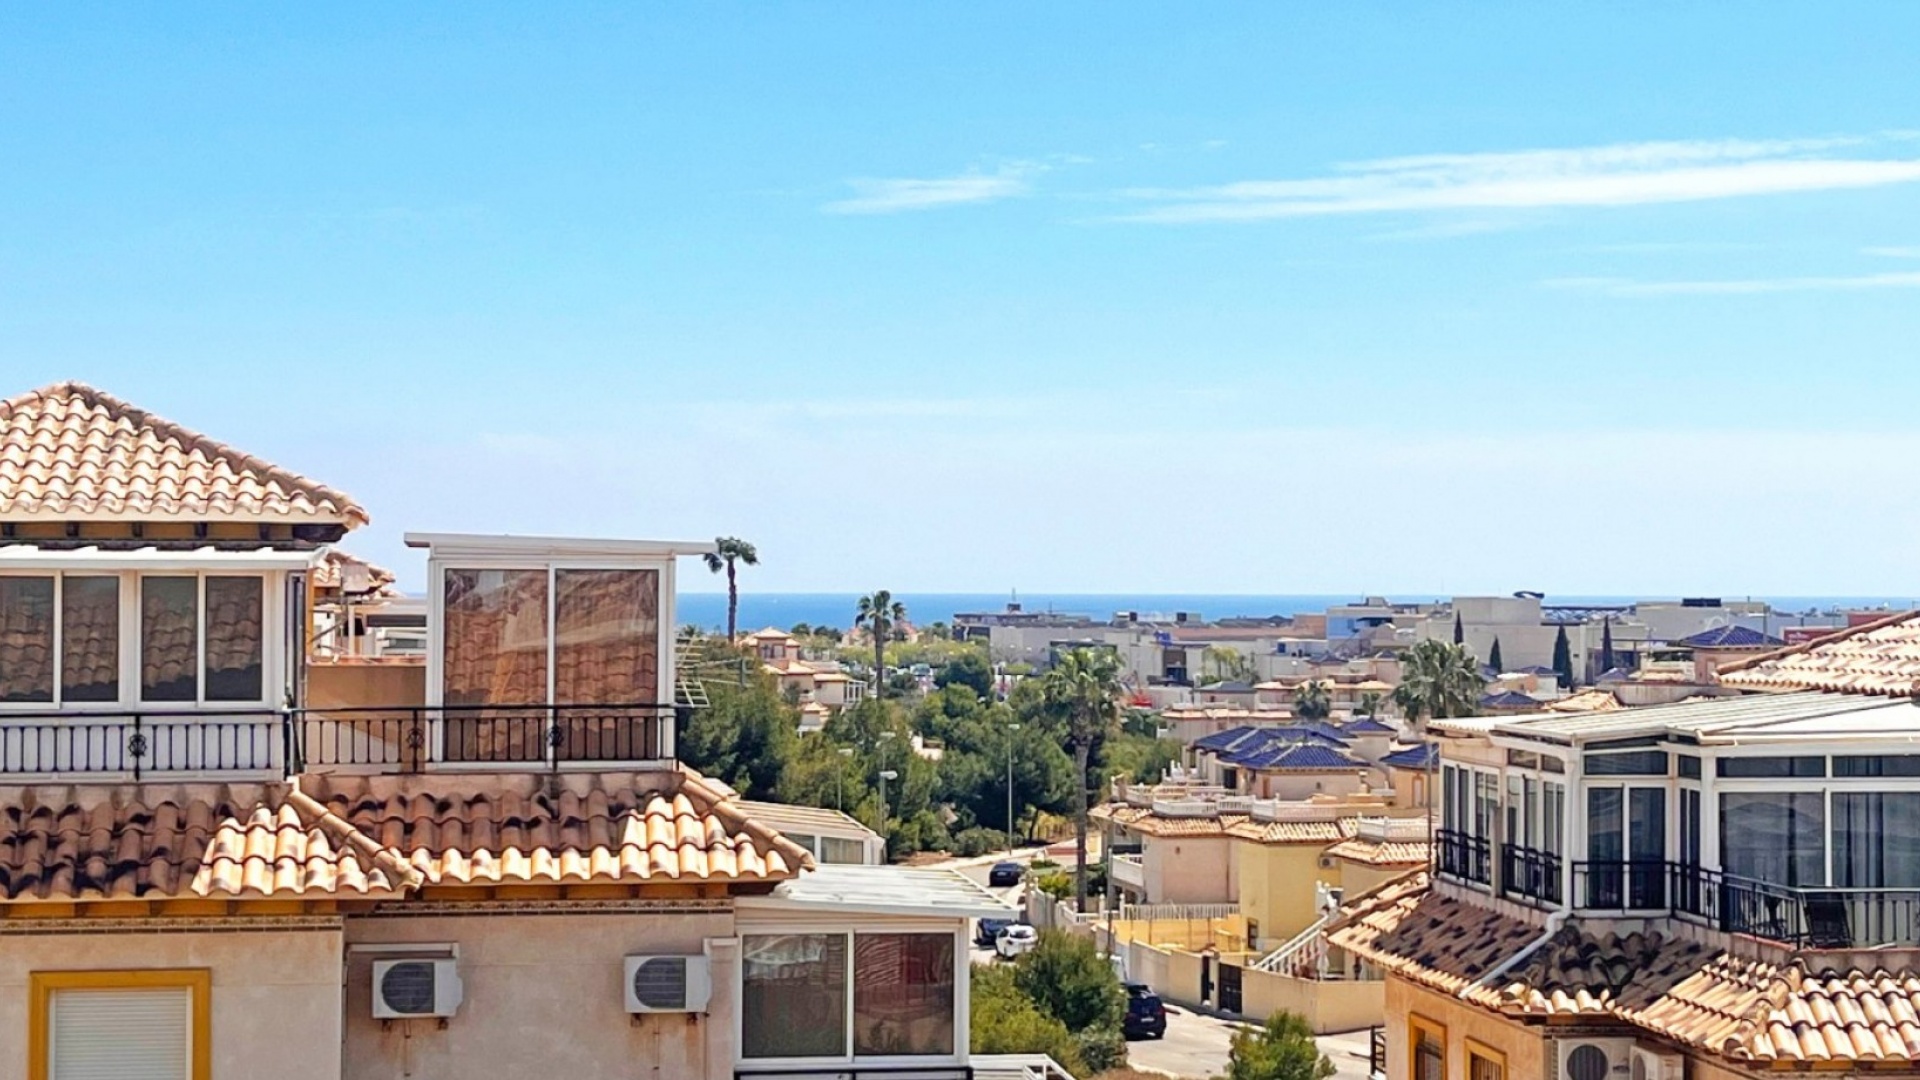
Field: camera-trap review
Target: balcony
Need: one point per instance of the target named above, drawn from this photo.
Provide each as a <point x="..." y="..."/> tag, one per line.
<point x="1530" y="874"/>
<point x="1463" y="857"/>
<point x="1130" y="871"/>
<point x="1802" y="917"/>
<point x="133" y="745"/>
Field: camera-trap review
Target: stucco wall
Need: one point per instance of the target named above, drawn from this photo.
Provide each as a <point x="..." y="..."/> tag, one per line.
<point x="546" y="989"/>
<point x="1188" y="870"/>
<point x="1293" y="787"/>
<point x="1330" y="1005"/>
<point x="1524" y="1048"/>
<point x="1277" y="886"/>
<point x="340" y="686"/>
<point x="275" y="1003"/>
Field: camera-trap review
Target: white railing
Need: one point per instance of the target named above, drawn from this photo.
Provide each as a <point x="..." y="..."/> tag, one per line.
<point x="1130" y="870"/>
<point x="1276" y="810"/>
<point x="1305" y="956"/>
<point x="1185" y="808"/>
<point x="1017" y="1067"/>
<point x="1413" y="830"/>
<point x="242" y="743"/>
<point x="1178" y="912"/>
<point x="1236" y="804"/>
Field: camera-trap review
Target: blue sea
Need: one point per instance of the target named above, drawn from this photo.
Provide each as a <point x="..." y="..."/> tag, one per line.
<point x="709" y="610"/>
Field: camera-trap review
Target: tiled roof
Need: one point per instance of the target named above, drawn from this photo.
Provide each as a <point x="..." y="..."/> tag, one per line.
<point x="1382" y="852"/>
<point x="608" y="828"/>
<point x="1431" y="939"/>
<point x="1577" y="973"/>
<point x="1295" y="757"/>
<point x="1292" y="832"/>
<point x="1880" y="658"/>
<point x="1419" y="756"/>
<point x="193" y="840"/>
<point x="69" y="450"/>
<point x="1142" y="819"/>
<point x="1366" y="725"/>
<point x="357" y="574"/>
<point x="1508" y="699"/>
<point x="1585" y="701"/>
<point x="1731" y="636"/>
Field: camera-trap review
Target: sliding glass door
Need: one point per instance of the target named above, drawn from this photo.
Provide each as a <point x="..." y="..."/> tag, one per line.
<point x="1626" y="848"/>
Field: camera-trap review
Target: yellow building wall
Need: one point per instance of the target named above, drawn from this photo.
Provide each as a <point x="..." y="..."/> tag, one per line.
<point x="1524" y="1048"/>
<point x="1328" y="1006"/>
<point x="1277" y="887"/>
<point x="275" y="1003"/>
<point x="1359" y="878"/>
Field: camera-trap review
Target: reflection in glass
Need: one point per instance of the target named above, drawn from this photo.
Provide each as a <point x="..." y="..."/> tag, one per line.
<point x="90" y="639"/>
<point x="793" y="995"/>
<point x="903" y="994"/>
<point x="169" y="638"/>
<point x="26" y="639"/>
<point x="1775" y="837"/>
<point x="234" y="637"/>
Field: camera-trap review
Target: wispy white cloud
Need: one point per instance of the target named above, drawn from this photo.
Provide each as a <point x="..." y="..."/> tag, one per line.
<point x="900" y="195"/>
<point x="1740" y="286"/>
<point x="1617" y="175"/>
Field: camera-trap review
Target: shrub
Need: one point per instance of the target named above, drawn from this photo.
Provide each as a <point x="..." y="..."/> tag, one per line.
<point x="1055" y="883"/>
<point x="968" y="843"/>
<point x="1101" y="1048"/>
<point x="1006" y="1021"/>
<point x="1283" y="1049"/>
<point x="1069" y="980"/>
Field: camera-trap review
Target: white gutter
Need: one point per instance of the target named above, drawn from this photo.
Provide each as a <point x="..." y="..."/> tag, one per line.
<point x="1554" y="922"/>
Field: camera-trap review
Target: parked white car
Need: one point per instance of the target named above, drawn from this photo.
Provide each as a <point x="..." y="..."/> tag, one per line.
<point x="1014" y="940"/>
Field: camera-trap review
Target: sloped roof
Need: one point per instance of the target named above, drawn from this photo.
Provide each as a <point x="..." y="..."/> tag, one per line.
<point x="340" y="570"/>
<point x="70" y="451"/>
<point x="1731" y="636"/>
<point x="1366" y="725"/>
<point x="1419" y="756"/>
<point x="1382" y="852"/>
<point x="1297" y="757"/>
<point x="1587" y="701"/>
<point x="1509" y="699"/>
<point x="1439" y="942"/>
<point x="1881" y="657"/>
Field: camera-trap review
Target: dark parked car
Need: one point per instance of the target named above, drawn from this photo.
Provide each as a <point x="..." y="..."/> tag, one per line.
<point x="1004" y="873"/>
<point x="1146" y="1017"/>
<point x="988" y="930"/>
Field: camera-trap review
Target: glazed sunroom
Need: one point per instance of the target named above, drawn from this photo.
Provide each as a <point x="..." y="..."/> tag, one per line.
<point x="1792" y="818"/>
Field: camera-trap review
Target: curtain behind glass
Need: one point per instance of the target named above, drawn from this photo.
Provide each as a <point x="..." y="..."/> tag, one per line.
<point x="903" y="994"/>
<point x="1775" y="837"/>
<point x="26" y="639"/>
<point x="793" y="995"/>
<point x="1876" y="840"/>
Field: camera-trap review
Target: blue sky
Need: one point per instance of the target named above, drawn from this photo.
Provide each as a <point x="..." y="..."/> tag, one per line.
<point x="1236" y="298"/>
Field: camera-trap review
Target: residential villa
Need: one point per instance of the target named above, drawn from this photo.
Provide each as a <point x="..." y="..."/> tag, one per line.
<point x="819" y="687"/>
<point x="1708" y="889"/>
<point x="236" y="844"/>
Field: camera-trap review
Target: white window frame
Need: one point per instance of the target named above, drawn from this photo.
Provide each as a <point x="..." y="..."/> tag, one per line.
<point x="962" y="987"/>
<point x="273" y="661"/>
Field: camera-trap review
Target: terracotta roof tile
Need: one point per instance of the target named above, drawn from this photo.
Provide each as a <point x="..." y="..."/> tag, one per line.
<point x="69" y="450"/>
<point x="1592" y="700"/>
<point x="1293" y="832"/>
<point x="1428" y="938"/>
<point x="1382" y="852"/>
<point x="203" y="840"/>
<point x="358" y="575"/>
<point x="608" y="828"/>
<point x="1880" y="657"/>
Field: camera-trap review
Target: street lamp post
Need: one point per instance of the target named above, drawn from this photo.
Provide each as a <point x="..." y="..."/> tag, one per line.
<point x="840" y="781"/>
<point x="885" y="775"/>
<point x="1011" y="728"/>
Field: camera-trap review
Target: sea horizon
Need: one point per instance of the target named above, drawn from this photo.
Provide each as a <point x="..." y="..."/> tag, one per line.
<point x="708" y="610"/>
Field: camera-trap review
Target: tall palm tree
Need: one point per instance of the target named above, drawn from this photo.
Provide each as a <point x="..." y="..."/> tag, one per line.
<point x="1312" y="702"/>
<point x="729" y="550"/>
<point x="1370" y="703"/>
<point x="880" y="613"/>
<point x="1438" y="680"/>
<point x="1084" y="690"/>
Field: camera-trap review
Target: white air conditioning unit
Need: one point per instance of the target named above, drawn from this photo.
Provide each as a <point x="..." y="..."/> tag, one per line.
<point x="404" y="989"/>
<point x="1595" y="1059"/>
<point x="1651" y="1064"/>
<point x="668" y="984"/>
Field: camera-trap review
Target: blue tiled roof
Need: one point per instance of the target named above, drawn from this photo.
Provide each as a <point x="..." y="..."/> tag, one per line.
<point x="1537" y="670"/>
<point x="1301" y="756"/>
<point x="1732" y="637"/>
<point x="1421" y="756"/>
<point x="1366" y="725"/>
<point x="1223" y="740"/>
<point x="1508" y="699"/>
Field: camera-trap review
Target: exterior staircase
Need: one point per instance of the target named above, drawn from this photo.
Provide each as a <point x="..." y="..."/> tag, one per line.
<point x="1303" y="957"/>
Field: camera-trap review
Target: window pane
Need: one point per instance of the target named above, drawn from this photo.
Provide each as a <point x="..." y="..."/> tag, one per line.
<point x="120" y="1034"/>
<point x="26" y="639"/>
<point x="903" y="994"/>
<point x="833" y="849"/>
<point x="234" y="638"/>
<point x="793" y="995"/>
<point x="1772" y="768"/>
<point x="1479" y="1068"/>
<point x="1775" y="837"/>
<point x="496" y="637"/>
<point x="1876" y="840"/>
<point x="1881" y="765"/>
<point x="90" y="639"/>
<point x="169" y="638"/>
<point x="1634" y="763"/>
<point x="606" y="648"/>
<point x="1605" y="825"/>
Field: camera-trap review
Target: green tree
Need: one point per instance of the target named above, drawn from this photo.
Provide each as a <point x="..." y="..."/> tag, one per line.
<point x="1083" y="690"/>
<point x="1438" y="680"/>
<point x="729" y="550"/>
<point x="1312" y="702"/>
<point x="1494" y="660"/>
<point x="880" y="613"/>
<point x="745" y="735"/>
<point x="1282" y="1049"/>
<point x="1142" y="759"/>
<point x="1606" y="645"/>
<point x="1459" y="631"/>
<point x="1006" y="1021"/>
<point x="1563" y="658"/>
<point x="1069" y="980"/>
<point x="1224" y="663"/>
<point x="1370" y="704"/>
<point x="969" y="669"/>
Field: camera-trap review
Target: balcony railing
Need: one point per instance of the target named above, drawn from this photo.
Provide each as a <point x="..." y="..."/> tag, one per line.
<point x="1529" y="873"/>
<point x="138" y="744"/>
<point x="1814" y="917"/>
<point x="408" y="739"/>
<point x="1466" y="858"/>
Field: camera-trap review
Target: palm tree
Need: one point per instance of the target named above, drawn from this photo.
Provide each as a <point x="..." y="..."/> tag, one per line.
<point x="1370" y="703"/>
<point x="729" y="550"/>
<point x="880" y="613"/>
<point x="1312" y="701"/>
<point x="1438" y="680"/>
<point x="1084" y="690"/>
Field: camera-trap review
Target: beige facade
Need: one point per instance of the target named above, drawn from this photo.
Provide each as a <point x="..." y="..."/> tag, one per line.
<point x="1190" y="870"/>
<point x="275" y="997"/>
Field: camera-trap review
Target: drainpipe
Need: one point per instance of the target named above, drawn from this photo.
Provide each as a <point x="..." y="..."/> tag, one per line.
<point x="1554" y="922"/>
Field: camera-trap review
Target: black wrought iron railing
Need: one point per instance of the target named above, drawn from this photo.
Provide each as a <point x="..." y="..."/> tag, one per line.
<point x="141" y="743"/>
<point x="1529" y="873"/>
<point x="1812" y="916"/>
<point x="1463" y="857"/>
<point x="406" y="739"/>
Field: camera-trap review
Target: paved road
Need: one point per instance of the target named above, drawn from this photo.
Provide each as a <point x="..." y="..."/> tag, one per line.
<point x="1195" y="1046"/>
